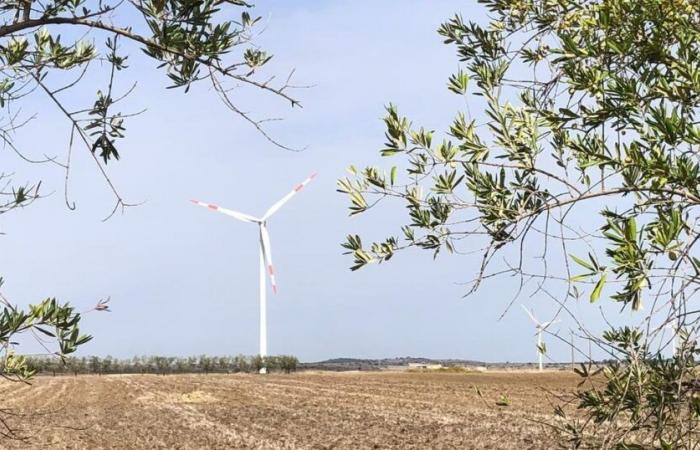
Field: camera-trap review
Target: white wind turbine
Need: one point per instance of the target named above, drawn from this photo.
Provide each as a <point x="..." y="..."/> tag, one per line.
<point x="540" y="326"/>
<point x="265" y="253"/>
<point x="673" y="326"/>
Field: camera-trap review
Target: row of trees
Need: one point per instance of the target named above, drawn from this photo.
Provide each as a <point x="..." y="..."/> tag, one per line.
<point x="161" y="365"/>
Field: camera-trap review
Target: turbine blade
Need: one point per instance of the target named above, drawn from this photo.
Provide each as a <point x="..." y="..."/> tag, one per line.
<point x="228" y="212"/>
<point x="267" y="253"/>
<point x="529" y="313"/>
<point x="273" y="209"/>
<point x="544" y="325"/>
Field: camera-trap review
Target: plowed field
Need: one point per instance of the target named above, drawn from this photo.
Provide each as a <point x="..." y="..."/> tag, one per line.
<point x="305" y="410"/>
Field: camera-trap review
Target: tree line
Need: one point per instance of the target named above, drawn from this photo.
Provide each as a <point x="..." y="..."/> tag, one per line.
<point x="160" y="365"/>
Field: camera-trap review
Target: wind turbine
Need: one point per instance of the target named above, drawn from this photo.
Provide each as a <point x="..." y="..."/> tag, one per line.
<point x="265" y="252"/>
<point x="540" y="326"/>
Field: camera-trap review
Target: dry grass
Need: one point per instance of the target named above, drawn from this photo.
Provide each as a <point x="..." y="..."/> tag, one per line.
<point x="305" y="410"/>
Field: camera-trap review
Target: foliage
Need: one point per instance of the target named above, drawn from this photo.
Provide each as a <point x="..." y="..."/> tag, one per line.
<point x="53" y="324"/>
<point x="503" y="400"/>
<point x="59" y="48"/>
<point x="49" y="318"/>
<point x="642" y="400"/>
<point x="586" y="104"/>
<point x="160" y="365"/>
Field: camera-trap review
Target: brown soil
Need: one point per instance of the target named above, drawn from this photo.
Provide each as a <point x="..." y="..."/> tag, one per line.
<point x="307" y="411"/>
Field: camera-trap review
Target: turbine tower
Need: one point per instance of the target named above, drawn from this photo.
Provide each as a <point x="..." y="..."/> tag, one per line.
<point x="265" y="252"/>
<point x="673" y="326"/>
<point x="540" y="327"/>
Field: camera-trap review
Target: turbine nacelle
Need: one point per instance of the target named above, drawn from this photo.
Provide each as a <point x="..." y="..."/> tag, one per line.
<point x="543" y="326"/>
<point x="540" y="327"/>
<point x="262" y="224"/>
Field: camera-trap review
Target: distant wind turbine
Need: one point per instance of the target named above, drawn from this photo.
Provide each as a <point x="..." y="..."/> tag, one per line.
<point x="265" y="253"/>
<point x="673" y="326"/>
<point x="540" y="326"/>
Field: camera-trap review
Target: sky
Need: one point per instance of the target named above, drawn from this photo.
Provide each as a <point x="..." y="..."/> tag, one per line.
<point x="183" y="280"/>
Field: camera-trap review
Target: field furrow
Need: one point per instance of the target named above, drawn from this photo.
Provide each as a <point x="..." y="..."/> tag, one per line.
<point x="299" y="411"/>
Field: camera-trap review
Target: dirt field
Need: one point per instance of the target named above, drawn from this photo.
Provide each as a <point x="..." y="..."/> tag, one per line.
<point x="306" y="410"/>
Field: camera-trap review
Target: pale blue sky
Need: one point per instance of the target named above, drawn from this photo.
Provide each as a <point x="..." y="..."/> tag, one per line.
<point x="184" y="281"/>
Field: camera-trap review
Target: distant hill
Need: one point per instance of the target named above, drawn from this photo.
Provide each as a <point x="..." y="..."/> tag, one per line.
<point x="342" y="364"/>
<point x="377" y="364"/>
